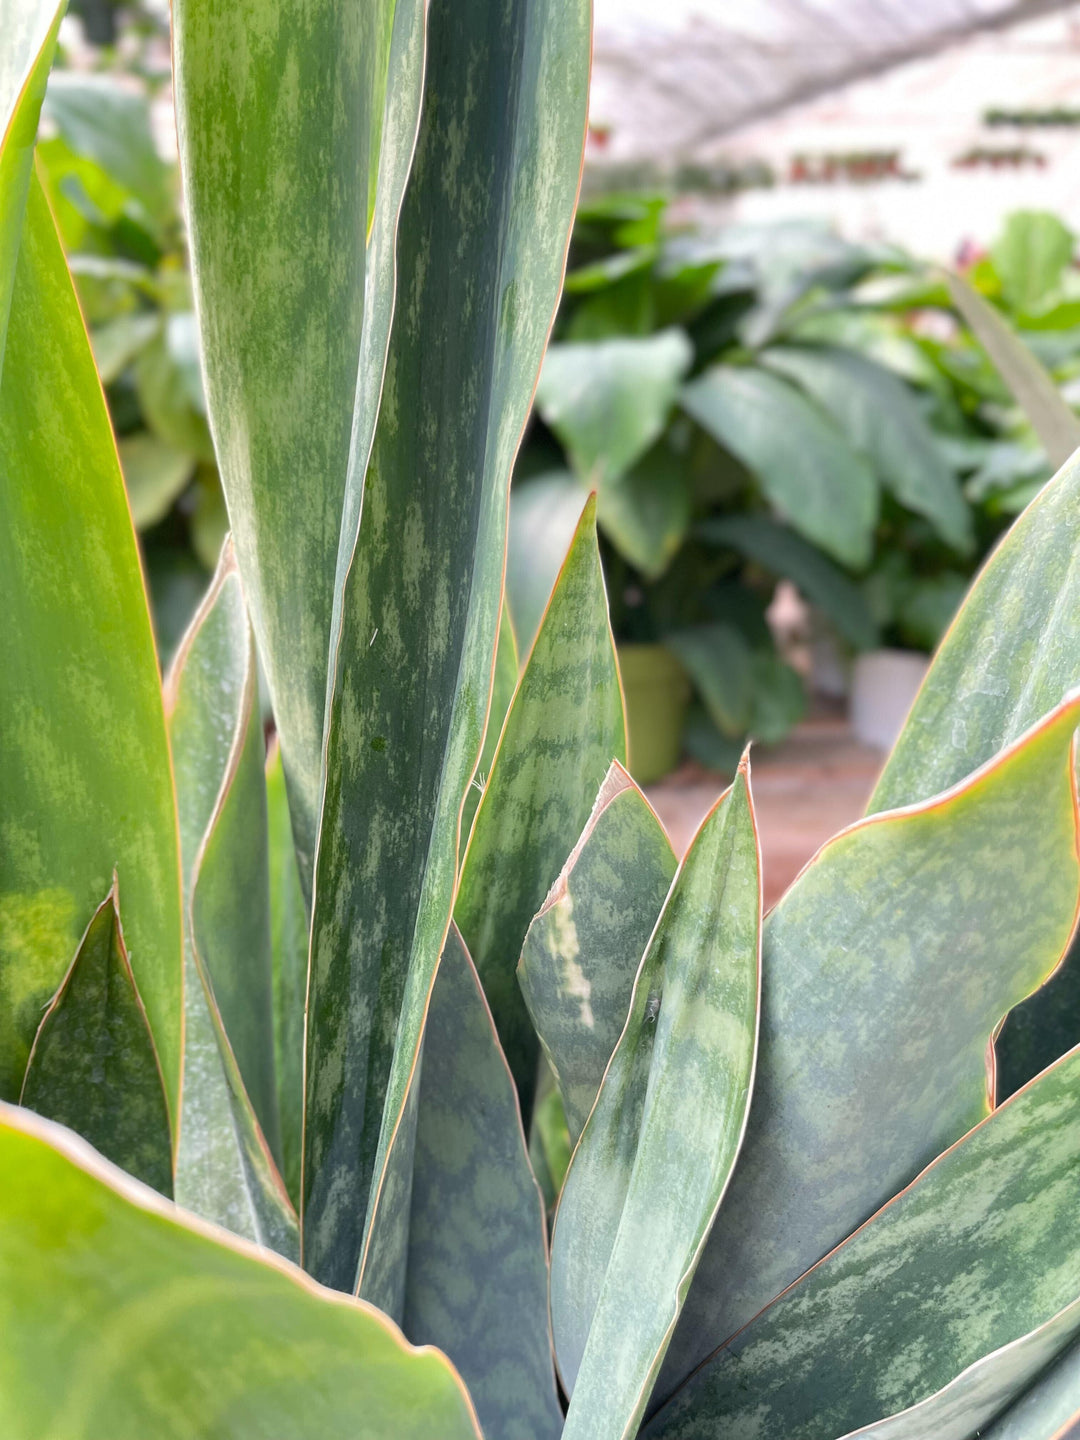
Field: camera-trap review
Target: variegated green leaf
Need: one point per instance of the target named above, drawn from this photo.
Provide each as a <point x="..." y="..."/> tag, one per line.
<point x="224" y="1168"/>
<point x="804" y="465"/>
<point x="564" y="727"/>
<point x="477" y="1267"/>
<point x="503" y="684"/>
<point x="29" y="28"/>
<point x="93" y="1066"/>
<point x="890" y="963"/>
<point x="657" y="1152"/>
<point x="1008" y="657"/>
<point x="289" y="947"/>
<point x="480" y="254"/>
<point x="282" y="117"/>
<point x="1033" y="389"/>
<point x="84" y="759"/>
<point x="124" y="1317"/>
<point x="934" y="1315"/>
<point x="584" y="946"/>
<point x="1011" y="652"/>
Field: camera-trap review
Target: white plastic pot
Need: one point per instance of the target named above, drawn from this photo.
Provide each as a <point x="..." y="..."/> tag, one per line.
<point x="883" y="685"/>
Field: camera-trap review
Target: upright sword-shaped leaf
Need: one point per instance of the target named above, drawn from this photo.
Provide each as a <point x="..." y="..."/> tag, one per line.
<point x="481" y="248"/>
<point x="564" y="727"/>
<point x="84" y="760"/>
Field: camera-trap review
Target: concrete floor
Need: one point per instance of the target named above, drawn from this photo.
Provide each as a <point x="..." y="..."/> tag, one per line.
<point x="805" y="790"/>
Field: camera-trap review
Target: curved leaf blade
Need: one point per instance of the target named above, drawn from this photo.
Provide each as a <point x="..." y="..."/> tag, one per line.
<point x="1050" y="1410"/>
<point x="564" y="725"/>
<point x="93" y="1066"/>
<point x="224" y="1168"/>
<point x="925" y="925"/>
<point x="176" y="1328"/>
<point x="960" y="1291"/>
<point x="1010" y="654"/>
<point x="503" y="684"/>
<point x="585" y="944"/>
<point x="657" y="1153"/>
<point x="805" y="466"/>
<point x="494" y="181"/>
<point x="84" y="760"/>
<point x="289" y="948"/>
<point x="477" y="1268"/>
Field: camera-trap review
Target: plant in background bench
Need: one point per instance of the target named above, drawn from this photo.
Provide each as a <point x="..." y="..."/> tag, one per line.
<point x="741" y="1096"/>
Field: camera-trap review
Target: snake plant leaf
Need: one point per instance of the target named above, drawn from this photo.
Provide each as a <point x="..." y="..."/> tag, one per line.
<point x="503" y="684"/>
<point x="783" y="552"/>
<point x="93" y="1066"/>
<point x="880" y="418"/>
<point x="289" y="948"/>
<point x="29" y="28"/>
<point x="805" y="467"/>
<point x="609" y="400"/>
<point x="928" y="924"/>
<point x="225" y="1170"/>
<point x="1050" y="1410"/>
<point x="1010" y="654"/>
<point x="481" y="249"/>
<point x="84" y="759"/>
<point x="477" y="1268"/>
<point x="931" y="1317"/>
<point x="564" y="726"/>
<point x="585" y="944"/>
<point x="657" y="1152"/>
<point x="174" y="1328"/>
<point x="1032" y="388"/>
<point x="280" y="116"/>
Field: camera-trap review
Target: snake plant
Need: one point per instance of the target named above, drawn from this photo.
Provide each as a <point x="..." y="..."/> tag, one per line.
<point x="270" y="1024"/>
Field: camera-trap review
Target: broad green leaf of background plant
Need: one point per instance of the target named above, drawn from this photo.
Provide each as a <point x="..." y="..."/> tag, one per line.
<point x="477" y="1268"/>
<point x="155" y="475"/>
<point x="544" y="512"/>
<point x="289" y="947"/>
<point x="804" y="465"/>
<point x="608" y="400"/>
<point x="29" y="28"/>
<point x="564" y="727"/>
<point x="785" y="553"/>
<point x="481" y="249"/>
<point x="645" y="511"/>
<point x="174" y="1328"/>
<point x="585" y="944"/>
<point x="879" y="417"/>
<point x="84" y="760"/>
<point x="926" y="925"/>
<point x="1032" y="388"/>
<point x="93" y="1066"/>
<point x="719" y="660"/>
<point x="229" y="1119"/>
<point x="110" y="124"/>
<point x="937" y="1313"/>
<point x="1030" y="256"/>
<point x="657" y="1152"/>
<point x="279" y="116"/>
<point x="503" y="684"/>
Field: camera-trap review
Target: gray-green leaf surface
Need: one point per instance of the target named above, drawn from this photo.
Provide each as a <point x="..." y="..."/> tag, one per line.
<point x="936" y="1313"/>
<point x="585" y="944"/>
<point x="477" y="1267"/>
<point x="890" y="962"/>
<point x="657" y="1152"/>
<point x="565" y="726"/>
